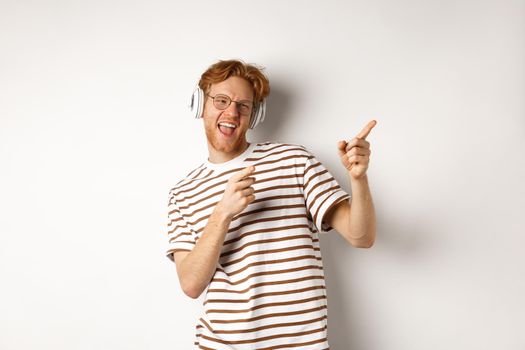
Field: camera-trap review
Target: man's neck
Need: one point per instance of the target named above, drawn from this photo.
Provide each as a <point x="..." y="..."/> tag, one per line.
<point x="218" y="157"/>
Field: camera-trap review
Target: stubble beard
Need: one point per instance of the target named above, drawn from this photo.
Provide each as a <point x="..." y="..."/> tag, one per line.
<point x="223" y="146"/>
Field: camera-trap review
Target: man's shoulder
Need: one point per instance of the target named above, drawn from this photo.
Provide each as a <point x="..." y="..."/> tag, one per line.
<point x="196" y="173"/>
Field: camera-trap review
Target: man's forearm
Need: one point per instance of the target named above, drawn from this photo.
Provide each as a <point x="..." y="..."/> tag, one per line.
<point x="198" y="267"/>
<point x="362" y="214"/>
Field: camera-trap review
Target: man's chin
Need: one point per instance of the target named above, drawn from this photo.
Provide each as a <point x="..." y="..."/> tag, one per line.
<point x="225" y="146"/>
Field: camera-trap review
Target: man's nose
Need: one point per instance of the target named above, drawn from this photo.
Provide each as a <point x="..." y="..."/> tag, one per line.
<point x="232" y="109"/>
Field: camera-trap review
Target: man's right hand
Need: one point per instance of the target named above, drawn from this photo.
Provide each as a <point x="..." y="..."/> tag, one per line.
<point x="238" y="193"/>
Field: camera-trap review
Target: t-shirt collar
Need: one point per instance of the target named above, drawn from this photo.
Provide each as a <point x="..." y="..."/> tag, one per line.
<point x="234" y="162"/>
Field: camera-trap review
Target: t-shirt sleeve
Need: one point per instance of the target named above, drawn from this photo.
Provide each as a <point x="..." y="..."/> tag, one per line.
<point x="321" y="191"/>
<point x="181" y="237"/>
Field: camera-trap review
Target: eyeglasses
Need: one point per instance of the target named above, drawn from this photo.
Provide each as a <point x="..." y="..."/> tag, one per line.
<point x="224" y="101"/>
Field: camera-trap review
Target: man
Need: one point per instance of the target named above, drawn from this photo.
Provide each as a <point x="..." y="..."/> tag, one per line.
<point x="244" y="224"/>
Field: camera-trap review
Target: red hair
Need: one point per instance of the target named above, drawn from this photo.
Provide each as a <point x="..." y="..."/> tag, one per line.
<point x="223" y="69"/>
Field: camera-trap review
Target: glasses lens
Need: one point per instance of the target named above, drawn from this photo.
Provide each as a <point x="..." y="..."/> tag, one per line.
<point x="244" y="108"/>
<point x="221" y="101"/>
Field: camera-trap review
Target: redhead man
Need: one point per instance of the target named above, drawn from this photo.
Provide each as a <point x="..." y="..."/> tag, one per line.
<point x="244" y="225"/>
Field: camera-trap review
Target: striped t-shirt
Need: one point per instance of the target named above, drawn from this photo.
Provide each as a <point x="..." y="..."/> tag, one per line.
<point x="268" y="291"/>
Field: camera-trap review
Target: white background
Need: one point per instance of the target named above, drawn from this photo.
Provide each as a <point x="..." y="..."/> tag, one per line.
<point x="94" y="131"/>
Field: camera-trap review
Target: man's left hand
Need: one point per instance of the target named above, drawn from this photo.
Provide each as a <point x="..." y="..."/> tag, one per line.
<point x="355" y="154"/>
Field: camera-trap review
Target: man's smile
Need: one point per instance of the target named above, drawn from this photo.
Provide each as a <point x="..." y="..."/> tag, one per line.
<point x="227" y="129"/>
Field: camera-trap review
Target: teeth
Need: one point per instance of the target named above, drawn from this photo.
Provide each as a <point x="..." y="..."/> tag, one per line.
<point x="228" y="125"/>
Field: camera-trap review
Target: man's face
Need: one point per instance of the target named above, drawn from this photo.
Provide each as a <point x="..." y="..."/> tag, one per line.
<point x="221" y="138"/>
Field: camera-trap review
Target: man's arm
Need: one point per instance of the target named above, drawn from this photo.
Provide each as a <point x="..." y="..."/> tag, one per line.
<point x="357" y="225"/>
<point x="355" y="221"/>
<point x="196" y="268"/>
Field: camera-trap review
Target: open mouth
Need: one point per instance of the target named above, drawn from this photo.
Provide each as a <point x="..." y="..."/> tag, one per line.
<point x="227" y="129"/>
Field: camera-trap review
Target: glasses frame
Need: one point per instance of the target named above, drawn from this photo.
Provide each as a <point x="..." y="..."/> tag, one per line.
<point x="252" y="105"/>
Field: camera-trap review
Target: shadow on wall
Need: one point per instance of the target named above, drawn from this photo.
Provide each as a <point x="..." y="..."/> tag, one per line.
<point x="404" y="240"/>
<point x="342" y="316"/>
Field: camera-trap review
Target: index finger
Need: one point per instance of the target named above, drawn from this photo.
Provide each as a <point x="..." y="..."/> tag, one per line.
<point x="244" y="173"/>
<point x="366" y="130"/>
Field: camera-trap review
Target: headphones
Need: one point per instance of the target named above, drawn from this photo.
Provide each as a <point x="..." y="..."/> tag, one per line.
<point x="197" y="106"/>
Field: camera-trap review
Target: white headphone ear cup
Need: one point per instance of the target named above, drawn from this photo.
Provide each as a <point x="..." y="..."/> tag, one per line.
<point x="197" y="102"/>
<point x="255" y="116"/>
<point x="259" y="114"/>
<point x="263" y="111"/>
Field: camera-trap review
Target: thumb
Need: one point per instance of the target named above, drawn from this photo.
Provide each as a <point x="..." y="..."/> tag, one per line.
<point x="341" y="145"/>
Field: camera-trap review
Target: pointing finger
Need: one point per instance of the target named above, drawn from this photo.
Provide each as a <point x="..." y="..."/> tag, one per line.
<point x="366" y="130"/>
<point x="244" y="173"/>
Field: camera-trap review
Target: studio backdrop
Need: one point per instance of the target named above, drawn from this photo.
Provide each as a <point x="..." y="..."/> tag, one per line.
<point x="95" y="130"/>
